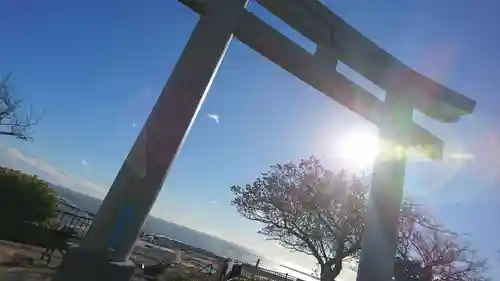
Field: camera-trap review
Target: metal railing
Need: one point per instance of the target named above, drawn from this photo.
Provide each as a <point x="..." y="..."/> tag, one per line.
<point x="263" y="274"/>
<point x="80" y="223"/>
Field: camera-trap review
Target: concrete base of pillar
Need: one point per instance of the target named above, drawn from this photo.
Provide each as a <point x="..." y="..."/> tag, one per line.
<point x="80" y="265"/>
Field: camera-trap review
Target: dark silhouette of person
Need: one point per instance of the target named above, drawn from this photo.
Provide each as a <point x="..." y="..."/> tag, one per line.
<point x="235" y="271"/>
<point x="58" y="241"/>
<point x="222" y="268"/>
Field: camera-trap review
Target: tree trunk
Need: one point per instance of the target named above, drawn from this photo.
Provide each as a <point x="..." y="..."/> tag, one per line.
<point x="330" y="270"/>
<point x="327" y="273"/>
<point x="332" y="267"/>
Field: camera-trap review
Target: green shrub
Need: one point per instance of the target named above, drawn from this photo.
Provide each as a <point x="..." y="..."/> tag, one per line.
<point x="24" y="199"/>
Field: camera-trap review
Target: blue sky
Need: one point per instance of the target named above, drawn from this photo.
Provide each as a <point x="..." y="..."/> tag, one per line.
<point x="97" y="67"/>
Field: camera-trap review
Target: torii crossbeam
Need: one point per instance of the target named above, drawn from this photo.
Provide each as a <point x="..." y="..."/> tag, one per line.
<point x="134" y="191"/>
<point x="405" y="88"/>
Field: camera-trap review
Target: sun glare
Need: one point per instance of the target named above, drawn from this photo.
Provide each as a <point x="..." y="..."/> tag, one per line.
<point x="358" y="148"/>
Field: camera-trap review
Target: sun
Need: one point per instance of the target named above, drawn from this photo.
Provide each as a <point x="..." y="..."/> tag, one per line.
<point x="358" y="148"/>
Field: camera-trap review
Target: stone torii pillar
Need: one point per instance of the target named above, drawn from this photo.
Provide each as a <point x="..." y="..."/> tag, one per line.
<point x="104" y="253"/>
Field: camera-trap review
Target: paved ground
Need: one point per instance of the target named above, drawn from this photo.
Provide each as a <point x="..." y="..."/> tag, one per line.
<point x="22" y="262"/>
<point x="19" y="262"/>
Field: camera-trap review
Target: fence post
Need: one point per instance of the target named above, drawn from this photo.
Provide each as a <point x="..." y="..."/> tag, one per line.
<point x="255" y="270"/>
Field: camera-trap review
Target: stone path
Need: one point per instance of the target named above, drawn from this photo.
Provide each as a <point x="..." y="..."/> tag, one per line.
<point x="20" y="262"/>
<point x="27" y="274"/>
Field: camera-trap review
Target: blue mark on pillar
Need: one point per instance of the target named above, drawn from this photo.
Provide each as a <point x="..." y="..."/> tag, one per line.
<point x="121" y="220"/>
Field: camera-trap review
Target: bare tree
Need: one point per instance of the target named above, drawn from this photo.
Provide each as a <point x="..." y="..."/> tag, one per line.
<point x="307" y="209"/>
<point x="443" y="255"/>
<point x="410" y="270"/>
<point x="11" y="124"/>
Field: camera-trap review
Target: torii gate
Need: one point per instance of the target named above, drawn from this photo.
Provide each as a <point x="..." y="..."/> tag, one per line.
<point x="140" y="179"/>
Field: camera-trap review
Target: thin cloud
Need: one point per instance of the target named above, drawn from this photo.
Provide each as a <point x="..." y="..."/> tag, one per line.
<point x="146" y="92"/>
<point x="84" y="163"/>
<point x="134" y="125"/>
<point x="214" y="202"/>
<point x="15" y="159"/>
<point x="215" y="117"/>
